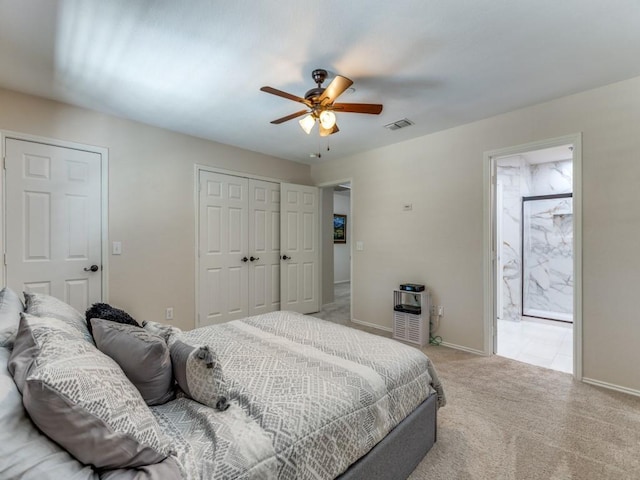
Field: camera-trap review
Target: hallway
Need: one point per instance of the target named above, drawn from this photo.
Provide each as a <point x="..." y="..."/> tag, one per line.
<point x="340" y="310"/>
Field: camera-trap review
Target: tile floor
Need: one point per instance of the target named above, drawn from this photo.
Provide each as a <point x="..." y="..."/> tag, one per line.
<point x="537" y="342"/>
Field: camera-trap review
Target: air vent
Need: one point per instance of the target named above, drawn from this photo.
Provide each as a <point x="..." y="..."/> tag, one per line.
<point x="397" y="125"/>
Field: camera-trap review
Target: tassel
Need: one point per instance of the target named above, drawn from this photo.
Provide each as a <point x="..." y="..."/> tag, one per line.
<point x="205" y="354"/>
<point x="222" y="404"/>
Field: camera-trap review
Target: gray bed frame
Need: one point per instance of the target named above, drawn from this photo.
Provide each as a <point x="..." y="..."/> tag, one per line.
<point x="400" y="452"/>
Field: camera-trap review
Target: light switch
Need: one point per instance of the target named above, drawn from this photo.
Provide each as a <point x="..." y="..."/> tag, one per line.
<point x="117" y="248"/>
<point x="359" y="246"/>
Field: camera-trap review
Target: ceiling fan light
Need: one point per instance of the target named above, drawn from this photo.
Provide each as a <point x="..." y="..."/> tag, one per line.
<point x="307" y="123"/>
<point x="328" y="119"/>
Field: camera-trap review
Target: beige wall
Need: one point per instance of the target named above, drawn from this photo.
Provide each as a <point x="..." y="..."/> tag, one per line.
<point x="440" y="242"/>
<point x="326" y="233"/>
<point x="151" y="196"/>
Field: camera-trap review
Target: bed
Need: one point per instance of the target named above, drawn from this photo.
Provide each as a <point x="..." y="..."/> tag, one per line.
<point x="307" y="399"/>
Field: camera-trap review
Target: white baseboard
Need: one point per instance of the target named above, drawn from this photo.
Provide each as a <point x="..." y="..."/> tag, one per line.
<point x="464" y="349"/>
<point x="372" y="325"/>
<point x="611" y="386"/>
<point x="342" y="281"/>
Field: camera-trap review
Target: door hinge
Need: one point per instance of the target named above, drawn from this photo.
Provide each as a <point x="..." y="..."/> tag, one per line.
<point x="4" y="259"/>
<point x="4" y="163"/>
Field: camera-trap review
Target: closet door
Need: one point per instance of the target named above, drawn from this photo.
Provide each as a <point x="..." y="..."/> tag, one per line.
<point x="264" y="247"/>
<point x="223" y="256"/>
<point x="300" y="253"/>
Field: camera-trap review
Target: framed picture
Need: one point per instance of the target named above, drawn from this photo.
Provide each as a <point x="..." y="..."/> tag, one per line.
<point x="339" y="228"/>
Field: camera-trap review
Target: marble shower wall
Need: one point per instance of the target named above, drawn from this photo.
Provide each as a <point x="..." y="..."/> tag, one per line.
<point x="514" y="182"/>
<point x="544" y="287"/>
<point x="551" y="178"/>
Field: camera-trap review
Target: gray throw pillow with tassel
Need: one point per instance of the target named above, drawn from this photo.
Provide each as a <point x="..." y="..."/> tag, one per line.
<point x="199" y="374"/>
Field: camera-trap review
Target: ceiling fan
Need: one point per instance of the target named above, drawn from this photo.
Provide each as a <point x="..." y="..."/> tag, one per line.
<point x="320" y="103"/>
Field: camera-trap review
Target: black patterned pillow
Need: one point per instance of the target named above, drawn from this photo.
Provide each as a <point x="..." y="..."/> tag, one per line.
<point x="81" y="399"/>
<point x="107" y="312"/>
<point x="143" y="357"/>
<point x="199" y="374"/>
<point x="42" y="305"/>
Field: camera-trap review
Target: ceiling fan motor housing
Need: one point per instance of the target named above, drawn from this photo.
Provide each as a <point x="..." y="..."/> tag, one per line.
<point x="319" y="75"/>
<point x="314" y="93"/>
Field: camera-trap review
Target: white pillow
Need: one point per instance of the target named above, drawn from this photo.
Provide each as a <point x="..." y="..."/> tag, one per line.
<point x="10" y="309"/>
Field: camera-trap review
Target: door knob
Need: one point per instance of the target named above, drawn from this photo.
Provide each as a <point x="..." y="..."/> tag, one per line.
<point x="284" y="257"/>
<point x="92" y="268"/>
<point x="254" y="259"/>
<point x="244" y="259"/>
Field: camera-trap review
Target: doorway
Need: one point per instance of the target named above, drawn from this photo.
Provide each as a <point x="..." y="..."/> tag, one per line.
<point x="336" y="254"/>
<point x="534" y="274"/>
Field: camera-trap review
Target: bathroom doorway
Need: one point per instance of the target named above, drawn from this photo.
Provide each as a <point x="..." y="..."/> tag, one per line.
<point x="534" y="250"/>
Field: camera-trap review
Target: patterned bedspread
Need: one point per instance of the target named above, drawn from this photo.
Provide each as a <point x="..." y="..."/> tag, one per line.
<point x="308" y="398"/>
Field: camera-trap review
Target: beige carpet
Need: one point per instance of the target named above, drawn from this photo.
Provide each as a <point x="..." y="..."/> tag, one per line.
<point x="509" y="420"/>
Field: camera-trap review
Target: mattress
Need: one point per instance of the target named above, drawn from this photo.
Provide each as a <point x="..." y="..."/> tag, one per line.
<point x="308" y="398"/>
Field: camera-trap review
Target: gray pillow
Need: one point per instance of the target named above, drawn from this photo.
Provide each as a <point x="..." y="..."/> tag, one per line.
<point x="25" y="452"/>
<point x="199" y="374"/>
<point x="41" y="305"/>
<point x="81" y="399"/>
<point x="143" y="357"/>
<point x="10" y="309"/>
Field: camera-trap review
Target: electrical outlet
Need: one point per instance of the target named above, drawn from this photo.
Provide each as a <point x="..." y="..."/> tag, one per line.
<point x="440" y="311"/>
<point x="168" y="313"/>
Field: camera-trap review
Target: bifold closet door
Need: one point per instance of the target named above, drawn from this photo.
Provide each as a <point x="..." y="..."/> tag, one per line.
<point x="239" y="247"/>
<point x="264" y="247"/>
<point x="223" y="261"/>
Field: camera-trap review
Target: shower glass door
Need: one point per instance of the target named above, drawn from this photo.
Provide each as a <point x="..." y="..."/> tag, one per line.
<point x="547" y="257"/>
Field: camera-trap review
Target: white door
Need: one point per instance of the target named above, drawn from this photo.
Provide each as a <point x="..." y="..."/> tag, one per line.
<point x="53" y="222"/>
<point x="299" y="248"/>
<point x="223" y="255"/>
<point x="264" y="247"/>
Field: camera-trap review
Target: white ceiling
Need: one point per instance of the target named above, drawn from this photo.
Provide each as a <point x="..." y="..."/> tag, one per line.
<point x="196" y="66"/>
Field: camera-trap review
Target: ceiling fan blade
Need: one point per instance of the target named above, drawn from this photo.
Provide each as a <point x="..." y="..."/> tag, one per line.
<point x="372" y="108"/>
<point x="335" y="89"/>
<point x="280" y="93"/>
<point x="289" y="117"/>
<point x="325" y="132"/>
